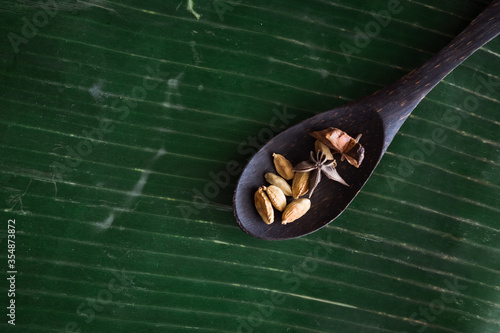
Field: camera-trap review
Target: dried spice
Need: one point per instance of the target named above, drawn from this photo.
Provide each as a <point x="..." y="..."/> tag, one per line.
<point x="316" y="165"/>
<point x="283" y="166"/>
<point x="340" y="142"/>
<point x="295" y="210"/>
<point x="306" y="175"/>
<point x="264" y="206"/>
<point x="300" y="184"/>
<point x="276" y="196"/>
<point x="276" y="180"/>
<point x="318" y="145"/>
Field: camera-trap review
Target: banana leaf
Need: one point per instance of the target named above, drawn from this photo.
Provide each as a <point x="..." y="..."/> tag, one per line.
<point x="124" y="126"/>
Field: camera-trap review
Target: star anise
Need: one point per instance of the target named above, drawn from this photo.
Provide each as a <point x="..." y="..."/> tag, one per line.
<point x="317" y="164"/>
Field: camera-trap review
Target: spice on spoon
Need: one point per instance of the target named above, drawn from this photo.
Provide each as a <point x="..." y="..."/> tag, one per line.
<point x="342" y="143"/>
<point x="283" y="166"/>
<point x="318" y="145"/>
<point x="306" y="175"/>
<point x="264" y="206"/>
<point x="300" y="184"/>
<point x="295" y="210"/>
<point x="316" y="165"/>
<point x="276" y="196"/>
<point x="278" y="181"/>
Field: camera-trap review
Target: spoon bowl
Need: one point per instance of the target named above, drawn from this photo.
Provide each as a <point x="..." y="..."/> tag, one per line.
<point x="330" y="198"/>
<point x="377" y="117"/>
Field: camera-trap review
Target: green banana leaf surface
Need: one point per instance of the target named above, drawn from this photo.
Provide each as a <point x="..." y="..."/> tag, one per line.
<point x="124" y="126"/>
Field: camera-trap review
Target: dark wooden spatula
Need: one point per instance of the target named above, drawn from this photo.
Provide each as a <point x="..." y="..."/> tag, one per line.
<point x="377" y="117"/>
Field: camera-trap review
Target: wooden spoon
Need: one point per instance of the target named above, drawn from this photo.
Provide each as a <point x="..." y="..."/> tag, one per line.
<point x="377" y="117"/>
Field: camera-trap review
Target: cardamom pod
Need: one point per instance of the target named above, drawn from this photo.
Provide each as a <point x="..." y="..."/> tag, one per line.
<point x="264" y="206"/>
<point x="295" y="210"/>
<point x="276" y="180"/>
<point x="283" y="166"/>
<point x="300" y="184"/>
<point x="320" y="146"/>
<point x="276" y="196"/>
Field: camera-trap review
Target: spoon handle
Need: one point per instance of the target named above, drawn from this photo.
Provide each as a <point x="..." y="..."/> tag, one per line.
<point x="395" y="102"/>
